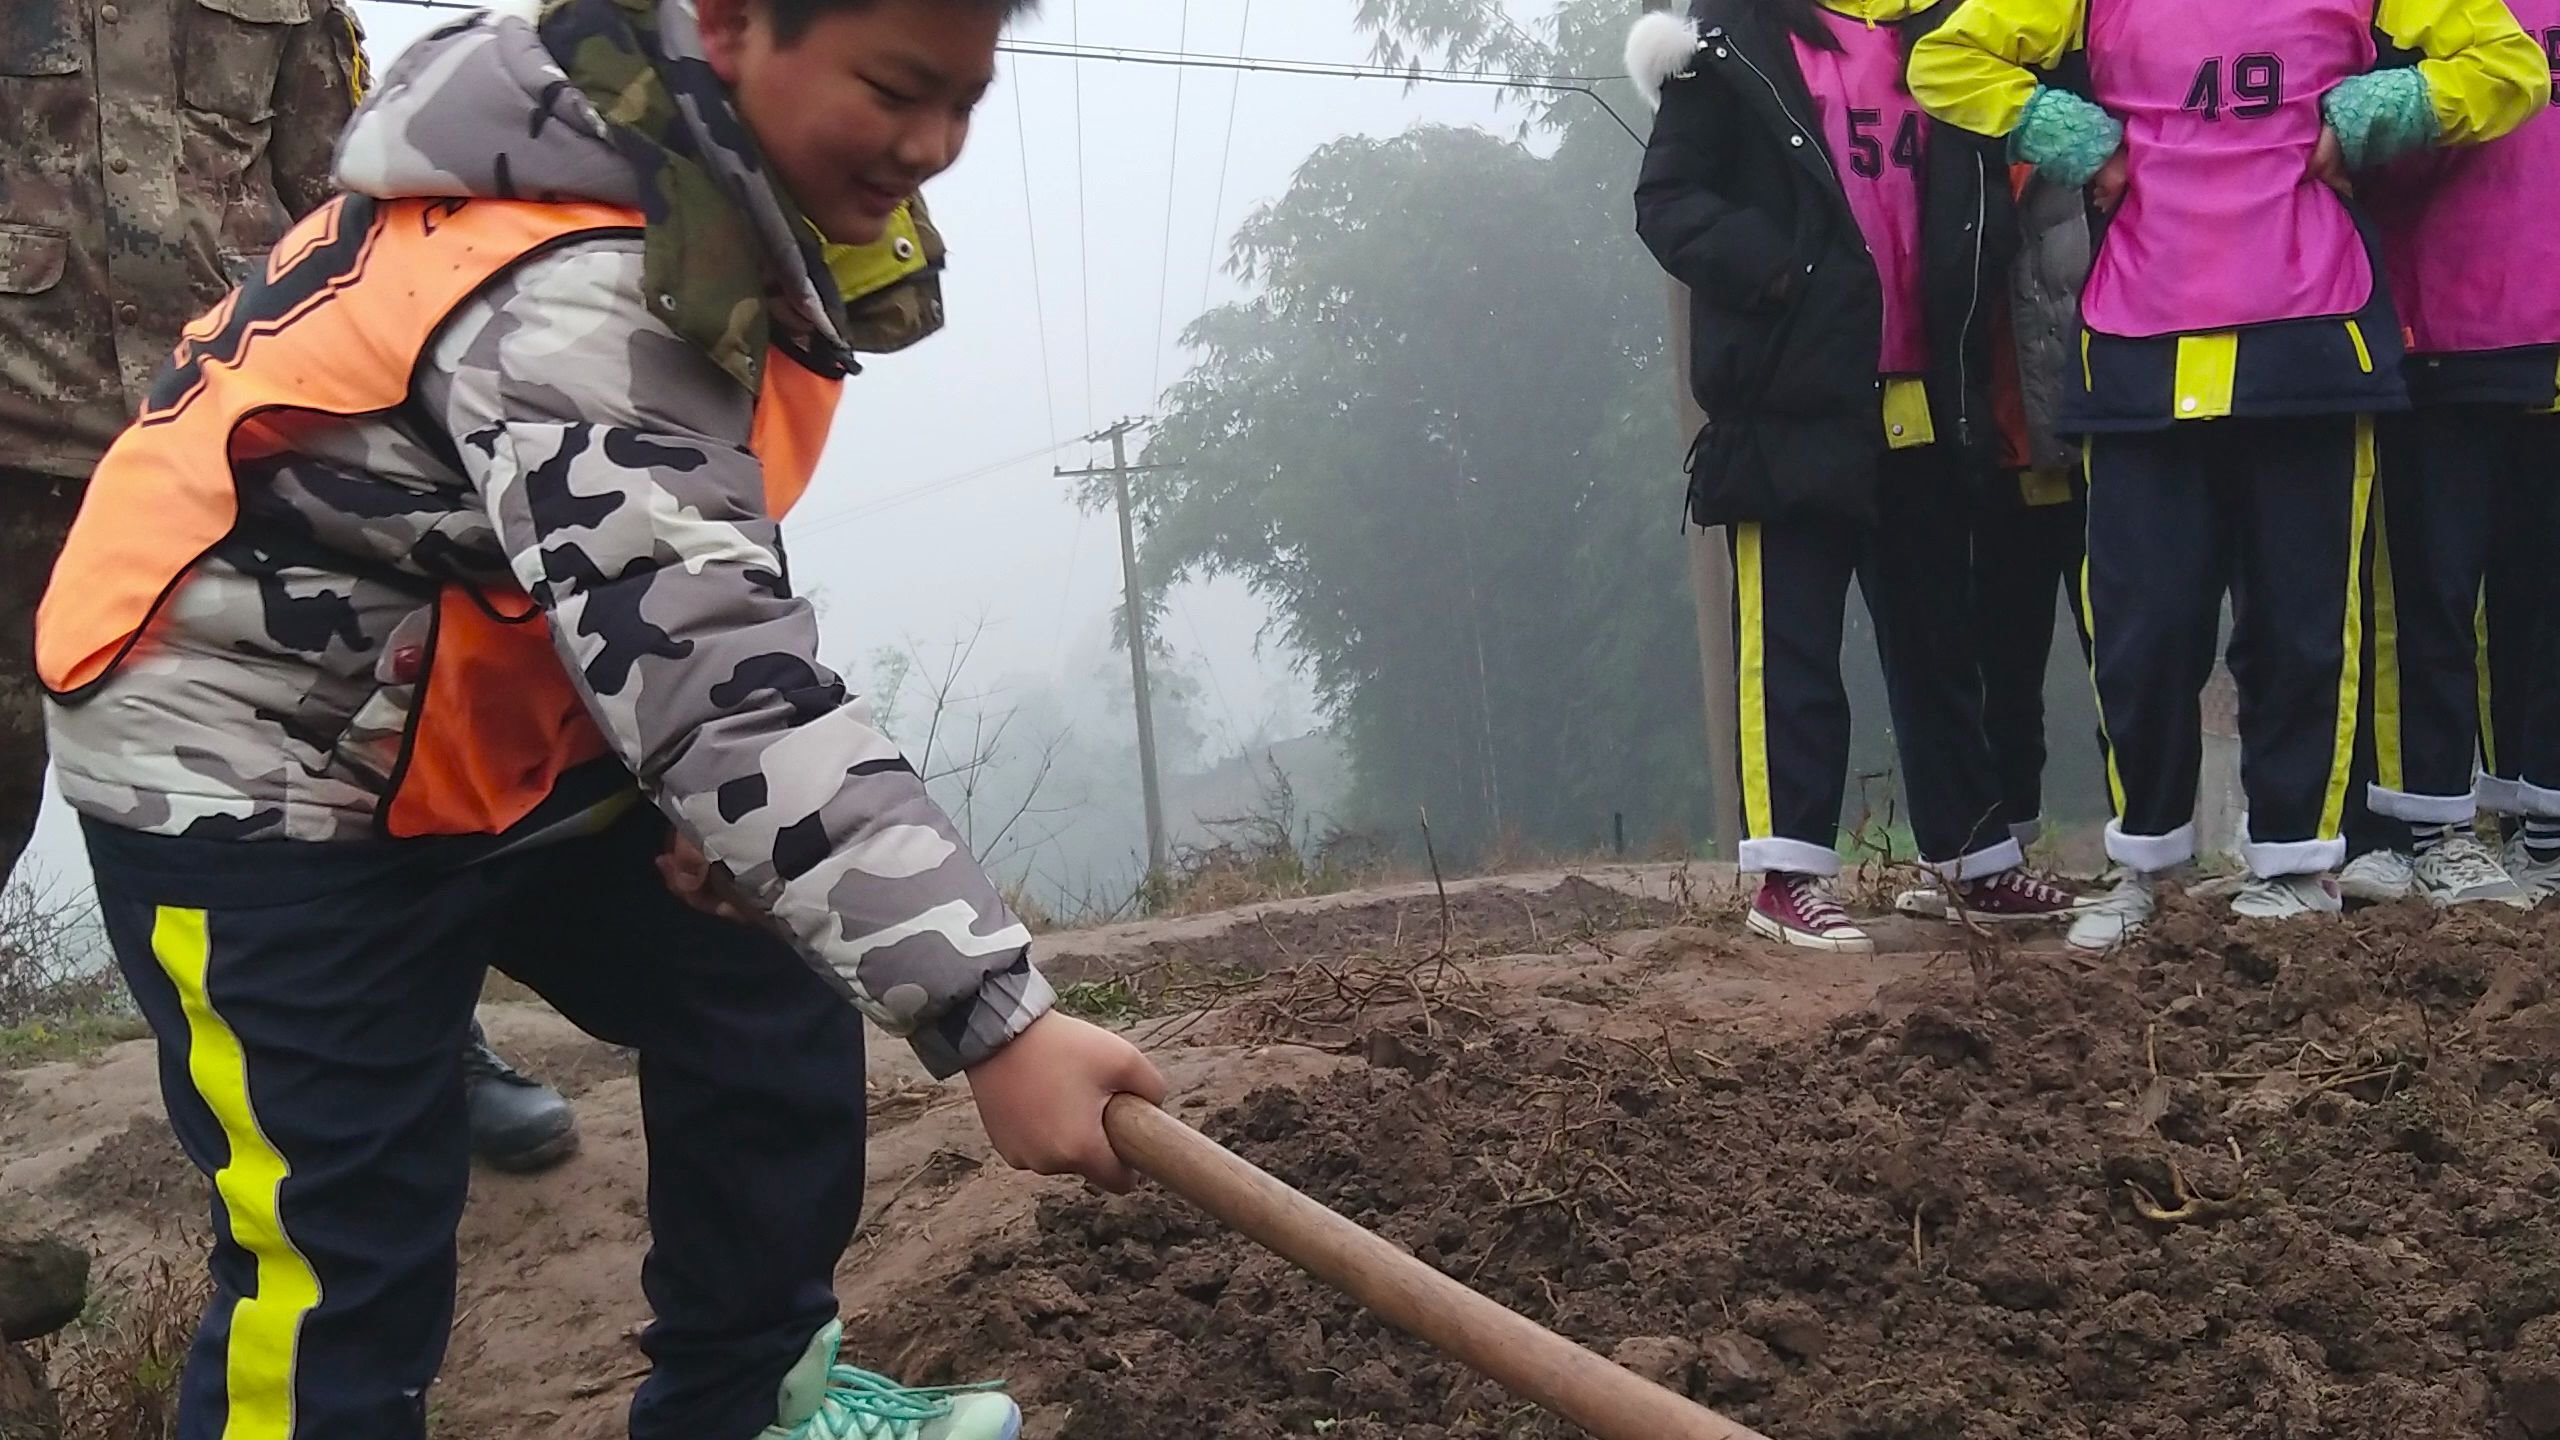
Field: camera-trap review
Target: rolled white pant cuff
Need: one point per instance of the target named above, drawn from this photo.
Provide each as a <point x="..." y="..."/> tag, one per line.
<point x="1792" y="857"/>
<point x="2151" y="854"/>
<point x="2006" y="855"/>
<point x="2027" y="832"/>
<point x="2514" y="797"/>
<point x="2290" y="857"/>
<point x="2421" y="809"/>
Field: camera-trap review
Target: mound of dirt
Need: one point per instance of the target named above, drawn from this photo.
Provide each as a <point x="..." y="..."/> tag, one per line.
<point x="2263" y="1184"/>
<point x="1479" y="920"/>
<point x="139" y="1173"/>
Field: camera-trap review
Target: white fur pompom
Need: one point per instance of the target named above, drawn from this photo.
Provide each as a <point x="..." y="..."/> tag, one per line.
<point x="1658" y="47"/>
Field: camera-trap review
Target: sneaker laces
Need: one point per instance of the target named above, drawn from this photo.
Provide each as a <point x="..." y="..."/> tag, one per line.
<point x="2026" y="884"/>
<point x="2286" y="891"/>
<point x="2462" y="862"/>
<point x="2130" y="898"/>
<point x="859" y="1405"/>
<point x="1814" y="904"/>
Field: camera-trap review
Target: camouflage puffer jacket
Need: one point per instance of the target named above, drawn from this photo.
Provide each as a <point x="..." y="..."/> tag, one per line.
<point x="618" y="371"/>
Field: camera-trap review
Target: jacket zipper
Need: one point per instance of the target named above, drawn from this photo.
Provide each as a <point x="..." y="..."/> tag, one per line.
<point x="1972" y="304"/>
<point x="1803" y="133"/>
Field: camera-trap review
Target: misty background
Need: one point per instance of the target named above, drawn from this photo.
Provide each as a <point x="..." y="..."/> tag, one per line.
<point x="1423" y="546"/>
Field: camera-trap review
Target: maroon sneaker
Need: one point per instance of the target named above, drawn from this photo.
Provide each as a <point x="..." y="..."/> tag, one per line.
<point x="2016" y="896"/>
<point x="1798" y="910"/>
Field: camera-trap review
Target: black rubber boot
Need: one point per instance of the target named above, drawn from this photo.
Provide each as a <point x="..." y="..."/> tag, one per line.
<point x="518" y="1124"/>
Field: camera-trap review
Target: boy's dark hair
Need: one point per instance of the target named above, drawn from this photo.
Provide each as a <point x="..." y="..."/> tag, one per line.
<point x="792" y="18"/>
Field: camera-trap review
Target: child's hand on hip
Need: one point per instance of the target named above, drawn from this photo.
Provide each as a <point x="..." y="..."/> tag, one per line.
<point x="701" y="882"/>
<point x="1041" y="1098"/>
<point x="2329" y="163"/>
<point x="2106" y="188"/>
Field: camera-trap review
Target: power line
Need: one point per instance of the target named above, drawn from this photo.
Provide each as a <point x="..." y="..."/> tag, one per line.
<point x="1351" y="69"/>
<point x="1226" y="158"/>
<point x="1076" y="49"/>
<point x="1084" y="232"/>
<point x="1217" y="687"/>
<point x="864" y="509"/>
<point x="1039" y="296"/>
<point x="1067" y="586"/>
<point x="1585" y="85"/>
<point x="1411" y="75"/>
<point x="1502" y="13"/>
<point x="1172" y="172"/>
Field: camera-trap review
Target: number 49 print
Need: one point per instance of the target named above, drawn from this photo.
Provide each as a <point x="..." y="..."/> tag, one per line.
<point x="2257" y="87"/>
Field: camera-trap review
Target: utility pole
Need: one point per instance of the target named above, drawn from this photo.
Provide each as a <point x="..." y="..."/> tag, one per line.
<point x="1135" y="627"/>
<point x="1711" y="588"/>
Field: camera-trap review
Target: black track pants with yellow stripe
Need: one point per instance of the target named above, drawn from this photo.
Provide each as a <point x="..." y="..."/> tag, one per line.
<point x="1791" y="589"/>
<point x="2460" y="484"/>
<point x="311" y="1003"/>
<point x="2494" y="477"/>
<point x="2026" y="560"/>
<point x="2273" y="513"/>
<point x="2520" y="603"/>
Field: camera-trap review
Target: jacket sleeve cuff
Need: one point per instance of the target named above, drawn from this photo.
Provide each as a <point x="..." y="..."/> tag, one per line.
<point x="1004" y="1007"/>
<point x="2381" y="117"/>
<point x="2068" y="139"/>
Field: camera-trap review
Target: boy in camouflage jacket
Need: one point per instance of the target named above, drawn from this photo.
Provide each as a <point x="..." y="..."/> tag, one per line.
<point x="151" y="153"/>
<point x="584" y="303"/>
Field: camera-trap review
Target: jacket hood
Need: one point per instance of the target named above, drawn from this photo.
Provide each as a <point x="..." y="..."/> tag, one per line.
<point x="1660" y="44"/>
<point x="497" y="106"/>
<point x="1659" y="47"/>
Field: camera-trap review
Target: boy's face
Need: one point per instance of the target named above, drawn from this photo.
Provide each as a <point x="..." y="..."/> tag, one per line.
<point x="863" y="107"/>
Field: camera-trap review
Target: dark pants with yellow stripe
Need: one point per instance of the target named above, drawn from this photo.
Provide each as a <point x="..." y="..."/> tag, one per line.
<point x="2519" y="706"/>
<point x="2026" y="561"/>
<point x="1791" y="590"/>
<point x="311" y="1002"/>
<point x="2274" y="513"/>
<point x="2459" y="482"/>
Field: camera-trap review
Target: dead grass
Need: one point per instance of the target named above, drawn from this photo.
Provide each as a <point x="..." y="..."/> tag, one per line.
<point x="1112" y="1001"/>
<point x="1262" y="856"/>
<point x="115" y="1372"/>
<point x="60" y="995"/>
<point x="72" y="1037"/>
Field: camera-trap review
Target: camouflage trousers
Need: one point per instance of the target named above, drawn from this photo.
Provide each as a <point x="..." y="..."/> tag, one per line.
<point x="35" y="515"/>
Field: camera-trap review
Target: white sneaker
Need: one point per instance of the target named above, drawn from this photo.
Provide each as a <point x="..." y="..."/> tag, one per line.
<point x="2285" y="896"/>
<point x="2536" y="880"/>
<point x="2117" y="917"/>
<point x="2462" y="871"/>
<point x="2378" y="877"/>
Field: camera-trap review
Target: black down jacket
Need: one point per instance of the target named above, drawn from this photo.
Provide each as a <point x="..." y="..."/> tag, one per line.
<point x="1740" y="201"/>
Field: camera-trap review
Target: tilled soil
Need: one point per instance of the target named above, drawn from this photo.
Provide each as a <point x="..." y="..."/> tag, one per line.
<point x="2261" y="1184"/>
<point x="1473" y="920"/>
<point x="139" y="1173"/>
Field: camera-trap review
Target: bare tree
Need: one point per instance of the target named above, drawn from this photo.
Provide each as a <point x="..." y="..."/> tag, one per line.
<point x="990" y="784"/>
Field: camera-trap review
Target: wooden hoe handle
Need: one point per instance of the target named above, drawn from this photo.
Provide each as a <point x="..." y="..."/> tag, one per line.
<point x="1531" y="1361"/>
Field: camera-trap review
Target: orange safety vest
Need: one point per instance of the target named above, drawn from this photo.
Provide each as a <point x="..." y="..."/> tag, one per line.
<point x="348" y="304"/>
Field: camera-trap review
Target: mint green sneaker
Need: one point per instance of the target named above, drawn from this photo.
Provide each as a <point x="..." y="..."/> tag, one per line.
<point x="822" y="1400"/>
